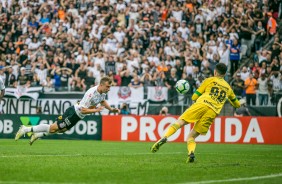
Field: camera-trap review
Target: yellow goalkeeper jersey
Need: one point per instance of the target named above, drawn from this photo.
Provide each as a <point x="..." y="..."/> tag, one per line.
<point x="213" y="92"/>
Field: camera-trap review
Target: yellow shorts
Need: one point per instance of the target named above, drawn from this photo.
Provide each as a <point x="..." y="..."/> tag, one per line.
<point x="201" y="115"/>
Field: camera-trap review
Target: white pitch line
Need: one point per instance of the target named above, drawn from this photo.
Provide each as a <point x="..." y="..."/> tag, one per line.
<point x="17" y="156"/>
<point x="35" y="182"/>
<point x="237" y="179"/>
<point x="201" y="182"/>
<point x="117" y="154"/>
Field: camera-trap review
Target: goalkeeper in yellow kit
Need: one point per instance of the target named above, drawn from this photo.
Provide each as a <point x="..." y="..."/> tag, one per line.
<point x="210" y="98"/>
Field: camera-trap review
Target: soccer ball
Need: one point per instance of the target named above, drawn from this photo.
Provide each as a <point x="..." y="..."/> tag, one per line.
<point x="182" y="86"/>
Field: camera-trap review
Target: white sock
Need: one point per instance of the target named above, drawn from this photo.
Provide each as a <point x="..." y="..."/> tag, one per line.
<point x="38" y="128"/>
<point x="41" y="134"/>
<point x="27" y="129"/>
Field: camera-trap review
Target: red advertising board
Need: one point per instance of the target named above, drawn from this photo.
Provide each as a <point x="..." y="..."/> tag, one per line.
<point x="254" y="130"/>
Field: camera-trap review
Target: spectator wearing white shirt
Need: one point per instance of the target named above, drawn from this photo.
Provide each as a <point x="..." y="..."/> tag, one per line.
<point x="133" y="15"/>
<point x="244" y="73"/>
<point x="34" y="45"/>
<point x="183" y="30"/>
<point x="276" y="80"/>
<point x="24" y="8"/>
<point x="78" y="22"/>
<point x="262" y="90"/>
<point x="132" y="64"/>
<point x="199" y="16"/>
<point x="219" y="8"/>
<point x="72" y="10"/>
<point x="210" y="53"/>
<point x="95" y="34"/>
<point x="66" y="24"/>
<point x="72" y="31"/>
<point x="42" y="71"/>
<point x="104" y="46"/>
<point x="177" y="13"/>
<point x="81" y="58"/>
<point x="120" y="50"/>
<point x="153" y="59"/>
<point x="262" y="55"/>
<point x="199" y="26"/>
<point x="194" y="43"/>
<point x="120" y="5"/>
<point x="224" y="55"/>
<point x="189" y="69"/>
<point x="222" y="28"/>
<point x="155" y="37"/>
<point x="112" y="43"/>
<point x="7" y="3"/>
<point x="168" y="49"/>
<point x="119" y="35"/>
<point x="211" y="13"/>
<point x="99" y="61"/>
<point x="168" y="29"/>
<point x="87" y="44"/>
<point x="49" y="40"/>
<point x="170" y="61"/>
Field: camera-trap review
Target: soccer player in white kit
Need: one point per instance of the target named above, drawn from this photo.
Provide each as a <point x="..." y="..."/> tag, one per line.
<point x="88" y="105"/>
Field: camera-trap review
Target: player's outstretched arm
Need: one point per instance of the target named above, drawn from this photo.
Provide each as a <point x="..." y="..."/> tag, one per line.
<point x="107" y="106"/>
<point x="196" y="95"/>
<point x="233" y="100"/>
<point x="91" y="110"/>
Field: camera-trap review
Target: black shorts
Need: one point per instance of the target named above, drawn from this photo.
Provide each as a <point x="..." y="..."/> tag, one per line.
<point x="69" y="119"/>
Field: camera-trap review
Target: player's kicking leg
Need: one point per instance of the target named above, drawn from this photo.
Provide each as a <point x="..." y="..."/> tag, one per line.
<point x="171" y="130"/>
<point x="158" y="144"/>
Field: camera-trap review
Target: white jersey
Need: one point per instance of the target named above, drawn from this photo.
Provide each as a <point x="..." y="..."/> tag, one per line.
<point x="2" y="85"/>
<point x="91" y="98"/>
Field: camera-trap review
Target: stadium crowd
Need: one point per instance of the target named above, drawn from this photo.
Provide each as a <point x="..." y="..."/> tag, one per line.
<point x="68" y="45"/>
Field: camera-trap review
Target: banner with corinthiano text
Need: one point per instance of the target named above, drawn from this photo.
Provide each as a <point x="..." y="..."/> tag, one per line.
<point x="246" y="130"/>
<point x="88" y="128"/>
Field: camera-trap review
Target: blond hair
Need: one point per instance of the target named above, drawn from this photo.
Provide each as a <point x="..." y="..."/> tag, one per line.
<point x="106" y="79"/>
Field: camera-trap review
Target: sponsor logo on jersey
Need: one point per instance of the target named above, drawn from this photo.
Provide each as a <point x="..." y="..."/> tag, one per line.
<point x="205" y="101"/>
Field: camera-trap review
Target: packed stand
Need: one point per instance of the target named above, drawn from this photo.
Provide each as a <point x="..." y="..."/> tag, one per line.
<point x="69" y="45"/>
<point x="260" y="81"/>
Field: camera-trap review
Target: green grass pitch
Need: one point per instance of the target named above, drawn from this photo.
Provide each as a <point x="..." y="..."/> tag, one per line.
<point x="69" y="161"/>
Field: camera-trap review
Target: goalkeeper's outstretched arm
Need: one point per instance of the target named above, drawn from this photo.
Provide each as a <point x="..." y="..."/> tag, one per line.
<point x="234" y="102"/>
<point x="196" y="95"/>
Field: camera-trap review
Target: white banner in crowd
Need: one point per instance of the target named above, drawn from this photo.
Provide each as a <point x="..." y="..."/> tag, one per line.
<point x="157" y="94"/>
<point x="125" y="94"/>
<point x="21" y="91"/>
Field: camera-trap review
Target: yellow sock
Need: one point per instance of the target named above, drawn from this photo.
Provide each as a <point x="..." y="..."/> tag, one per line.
<point x="191" y="145"/>
<point x="172" y="129"/>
